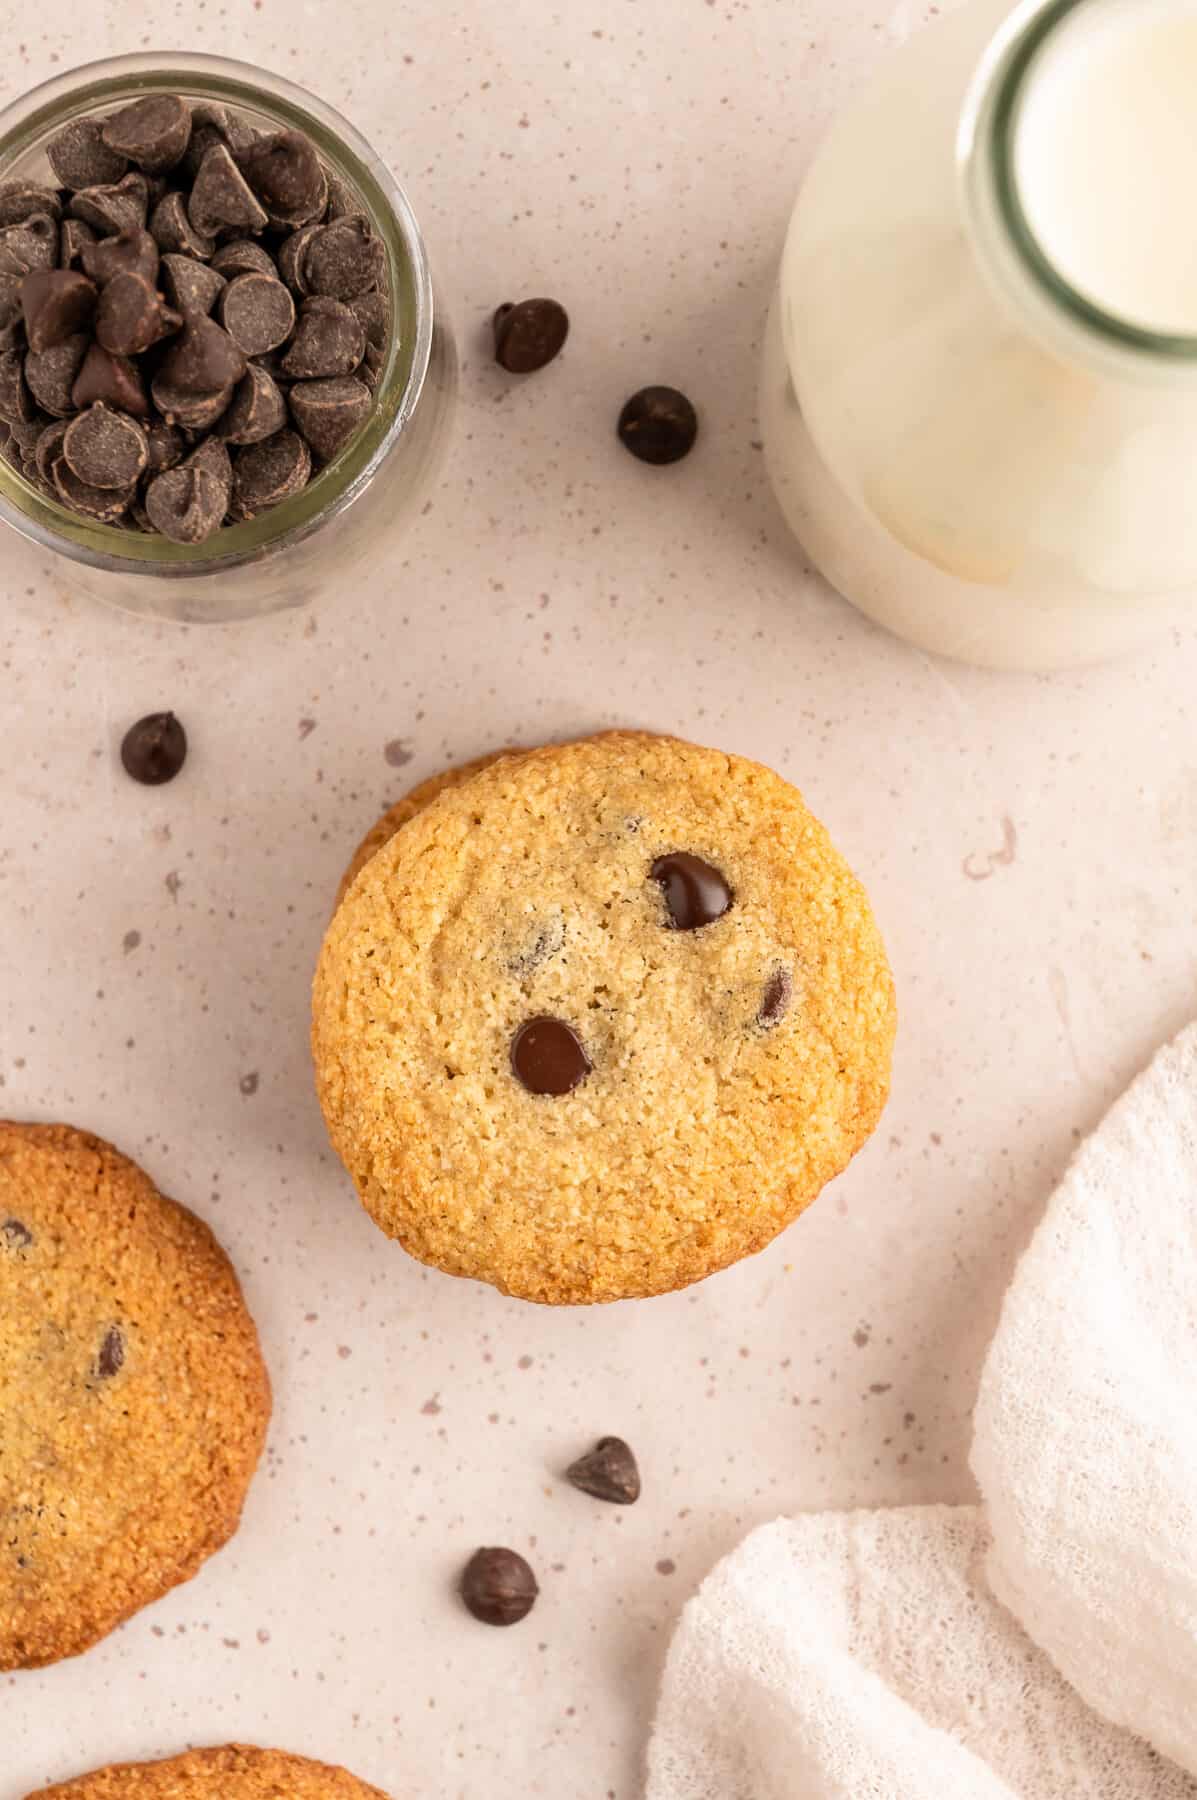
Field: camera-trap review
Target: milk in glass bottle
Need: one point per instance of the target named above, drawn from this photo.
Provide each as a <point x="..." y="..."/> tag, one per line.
<point x="980" y="385"/>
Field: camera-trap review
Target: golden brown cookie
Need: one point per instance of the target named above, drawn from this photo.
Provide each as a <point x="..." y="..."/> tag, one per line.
<point x="601" y="1019"/>
<point x="232" y="1773"/>
<point x="407" y="808"/>
<point x="133" y="1397"/>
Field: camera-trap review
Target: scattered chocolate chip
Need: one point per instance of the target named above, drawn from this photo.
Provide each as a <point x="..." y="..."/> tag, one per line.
<point x="529" y="334"/>
<point x="257" y="409"/>
<point x="74" y="237"/>
<point x="49" y="448"/>
<point x="292" y="258"/>
<point x="113" y="379"/>
<point x="31" y="245"/>
<point x="194" y="412"/>
<point x="16" y="403"/>
<point x="105" y="449"/>
<point x="608" y="1472"/>
<point x="186" y="504"/>
<point x="498" y="1587"/>
<point x="190" y="286"/>
<point x="175" y="232"/>
<point x="203" y="358"/>
<point x="222" y="197"/>
<point x="52" y="374"/>
<point x="14" y="1235"/>
<point x="80" y="158"/>
<point x="20" y="200"/>
<point x="329" y="412"/>
<point x="111" y="1359"/>
<point x="132" y="315"/>
<point x="164" y="447"/>
<point x="547" y="1057"/>
<point x="344" y="259"/>
<point x="152" y="132"/>
<point x="242" y="256"/>
<point x="659" y="425"/>
<point x="113" y="206"/>
<point x="104" y="505"/>
<point x="696" y="894"/>
<point x="155" y="749"/>
<point x="257" y="312"/>
<point x="56" y="303"/>
<point x="286" y="174"/>
<point x="329" y="340"/>
<point x="775" y="999"/>
<point x="268" y="473"/>
<point x="130" y="252"/>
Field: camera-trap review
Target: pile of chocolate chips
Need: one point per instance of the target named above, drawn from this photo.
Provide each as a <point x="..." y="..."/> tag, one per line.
<point x="192" y="322"/>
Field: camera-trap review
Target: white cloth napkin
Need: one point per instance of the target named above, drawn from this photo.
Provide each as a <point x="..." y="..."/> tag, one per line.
<point x="871" y="1656"/>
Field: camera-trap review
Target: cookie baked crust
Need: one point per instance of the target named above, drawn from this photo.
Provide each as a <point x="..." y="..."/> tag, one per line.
<point x="698" y="1135"/>
<point x="384" y="829"/>
<point x="233" y="1772"/>
<point x="124" y="1460"/>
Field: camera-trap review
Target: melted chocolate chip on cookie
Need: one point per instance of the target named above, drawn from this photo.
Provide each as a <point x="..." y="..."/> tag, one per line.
<point x="111" y="1359"/>
<point x="775" y="1000"/>
<point x="547" y="1057"/>
<point x="696" y="894"/>
<point x="14" y="1235"/>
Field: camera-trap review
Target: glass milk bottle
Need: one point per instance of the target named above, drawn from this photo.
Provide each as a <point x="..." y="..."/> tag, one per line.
<point x="979" y="399"/>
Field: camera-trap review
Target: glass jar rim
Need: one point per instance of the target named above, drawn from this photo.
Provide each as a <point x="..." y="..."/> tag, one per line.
<point x="221" y="80"/>
<point x="986" y="163"/>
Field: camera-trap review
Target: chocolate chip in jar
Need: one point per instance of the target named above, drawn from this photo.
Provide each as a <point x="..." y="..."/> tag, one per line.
<point x="329" y="412"/>
<point x="51" y="374"/>
<point x="203" y="359"/>
<point x="221" y="197"/>
<point x="608" y="1472"/>
<point x="498" y="1586"/>
<point x="329" y="339"/>
<point x="241" y="256"/>
<point x="190" y="286"/>
<point x="529" y="334"/>
<point x="104" y="506"/>
<point x="174" y="233"/>
<point x="16" y="402"/>
<point x="56" y="304"/>
<point x="31" y="245"/>
<point x="292" y="259"/>
<point x="193" y="412"/>
<point x="267" y="473"/>
<point x="154" y="749"/>
<point x="288" y="177"/>
<point x="80" y="158"/>
<point x="113" y="206"/>
<point x="152" y="132"/>
<point x="256" y="411"/>
<point x="257" y="312"/>
<point x="165" y="447"/>
<point x="114" y="379"/>
<point x="104" y="448"/>
<point x="187" y="504"/>
<point x="20" y="200"/>
<point x="132" y="315"/>
<point x="73" y="239"/>
<point x="130" y="252"/>
<point x="48" y="448"/>
<point x="344" y="259"/>
<point x="658" y="425"/>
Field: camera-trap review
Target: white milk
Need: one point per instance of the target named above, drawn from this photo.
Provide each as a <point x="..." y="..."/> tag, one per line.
<point x="964" y="458"/>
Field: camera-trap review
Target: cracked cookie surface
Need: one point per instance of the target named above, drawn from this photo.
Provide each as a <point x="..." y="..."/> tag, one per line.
<point x="233" y="1772"/>
<point x="600" y="1018"/>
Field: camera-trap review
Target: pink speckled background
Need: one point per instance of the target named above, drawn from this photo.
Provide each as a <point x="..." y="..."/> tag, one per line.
<point x="1031" y="846"/>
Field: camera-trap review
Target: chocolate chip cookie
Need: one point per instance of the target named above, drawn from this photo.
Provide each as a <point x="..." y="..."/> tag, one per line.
<point x="133" y="1397"/>
<point x="232" y="1773"/>
<point x="600" y="1019"/>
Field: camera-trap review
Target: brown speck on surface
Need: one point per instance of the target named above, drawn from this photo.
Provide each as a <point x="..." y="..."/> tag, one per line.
<point x="880" y="1387"/>
<point x="860" y="1336"/>
<point x="249" y="1083"/>
<point x="231" y="1643"/>
<point x="525" y="1362"/>
<point x="263" y="1635"/>
<point x="344" y="1352"/>
<point x="130" y="941"/>
<point x="666" y="1566"/>
<point x="398" y="752"/>
<point x="306" y="727"/>
<point x="431" y="1407"/>
<point x="980" y="866"/>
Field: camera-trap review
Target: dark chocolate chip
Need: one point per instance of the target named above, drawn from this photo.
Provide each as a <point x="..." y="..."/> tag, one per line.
<point x="498" y="1587"/>
<point x="15" y="1236"/>
<point x="175" y="232"/>
<point x="189" y="503"/>
<point x="344" y="259"/>
<point x="257" y="409"/>
<point x="529" y="334"/>
<point x="374" y="312"/>
<point x="268" y="473"/>
<point x="80" y="158"/>
<point x="16" y="403"/>
<point x="209" y="125"/>
<point x="113" y="379"/>
<point x="329" y="340"/>
<point x="547" y="1057"/>
<point x="74" y="237"/>
<point x="111" y="1359"/>
<point x="130" y="252"/>
<point x="104" y="505"/>
<point x="164" y="447"/>
<point x="155" y="749"/>
<point x="52" y="374"/>
<point x="696" y="894"/>
<point x="190" y="286"/>
<point x="152" y="132"/>
<point x="329" y="412"/>
<point x="341" y="199"/>
<point x="105" y="449"/>
<point x="222" y="197"/>
<point x="132" y="315"/>
<point x="113" y="206"/>
<point x="19" y="200"/>
<point x="371" y="367"/>
<point x="194" y="412"/>
<point x="286" y="174"/>
<point x="28" y="246"/>
<point x="49" y="448"/>
<point x="203" y="358"/>
<point x="775" y="1000"/>
<point x="57" y="303"/>
<point x="292" y="259"/>
<point x="257" y="312"/>
<point x="608" y="1472"/>
<point x="241" y="256"/>
<point x="659" y="425"/>
<point x="26" y="432"/>
<point x="12" y="320"/>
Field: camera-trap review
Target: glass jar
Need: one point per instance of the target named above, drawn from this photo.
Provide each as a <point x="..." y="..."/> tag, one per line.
<point x="979" y="398"/>
<point x="363" y="498"/>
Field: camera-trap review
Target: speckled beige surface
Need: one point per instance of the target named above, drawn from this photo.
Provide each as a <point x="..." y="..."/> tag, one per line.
<point x="1030" y="847"/>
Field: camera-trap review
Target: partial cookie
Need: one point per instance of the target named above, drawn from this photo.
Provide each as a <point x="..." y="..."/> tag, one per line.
<point x="601" y="1019"/>
<point x="407" y="808"/>
<point x="133" y="1397"/>
<point x="232" y="1773"/>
